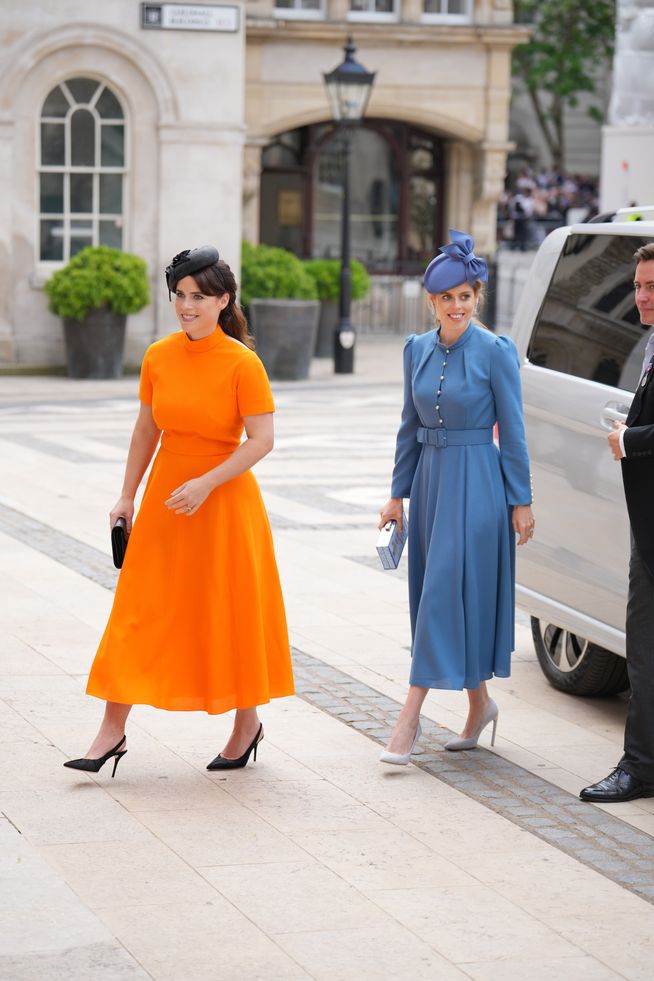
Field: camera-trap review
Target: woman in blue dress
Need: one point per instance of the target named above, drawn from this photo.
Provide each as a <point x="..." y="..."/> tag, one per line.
<point x="468" y="499"/>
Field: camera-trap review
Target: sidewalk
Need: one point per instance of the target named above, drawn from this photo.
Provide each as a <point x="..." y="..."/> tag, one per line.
<point x="315" y="862"/>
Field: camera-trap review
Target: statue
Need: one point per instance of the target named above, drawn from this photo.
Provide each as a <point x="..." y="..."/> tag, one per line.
<point x="632" y="99"/>
<point x="628" y="137"/>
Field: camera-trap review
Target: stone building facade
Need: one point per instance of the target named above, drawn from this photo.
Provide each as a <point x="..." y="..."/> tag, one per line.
<point x="160" y="136"/>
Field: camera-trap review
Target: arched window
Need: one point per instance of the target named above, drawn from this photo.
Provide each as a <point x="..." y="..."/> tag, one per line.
<point x="82" y="169"/>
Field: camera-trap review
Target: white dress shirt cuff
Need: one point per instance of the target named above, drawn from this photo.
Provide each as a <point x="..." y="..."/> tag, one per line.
<point x="621" y="441"/>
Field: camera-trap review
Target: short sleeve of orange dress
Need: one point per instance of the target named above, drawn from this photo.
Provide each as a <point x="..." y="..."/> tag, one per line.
<point x="253" y="395"/>
<point x="145" y="385"/>
<point x="198" y="620"/>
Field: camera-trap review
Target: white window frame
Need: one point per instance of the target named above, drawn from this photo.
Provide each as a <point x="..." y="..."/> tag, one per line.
<point x="94" y="217"/>
<point x="375" y="16"/>
<point x="446" y="18"/>
<point x="299" y="12"/>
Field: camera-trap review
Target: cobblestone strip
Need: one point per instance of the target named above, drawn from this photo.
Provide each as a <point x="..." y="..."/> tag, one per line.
<point x="597" y="839"/>
<point x="589" y="835"/>
<point x="85" y="559"/>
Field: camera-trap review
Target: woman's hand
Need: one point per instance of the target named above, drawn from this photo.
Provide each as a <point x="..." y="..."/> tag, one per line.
<point x="391" y="511"/>
<point x="189" y="496"/>
<point x="123" y="508"/>
<point x="523" y="523"/>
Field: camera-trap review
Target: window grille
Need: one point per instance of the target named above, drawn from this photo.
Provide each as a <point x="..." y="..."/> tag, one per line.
<point x="82" y="170"/>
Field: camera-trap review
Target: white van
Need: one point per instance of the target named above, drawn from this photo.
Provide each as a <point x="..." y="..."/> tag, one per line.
<point x="581" y="343"/>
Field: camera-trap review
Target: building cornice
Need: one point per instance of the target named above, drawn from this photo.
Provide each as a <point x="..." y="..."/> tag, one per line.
<point x="492" y="35"/>
<point x="202" y="133"/>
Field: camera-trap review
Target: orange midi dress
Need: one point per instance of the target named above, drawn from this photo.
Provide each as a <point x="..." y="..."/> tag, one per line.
<point x="198" y="618"/>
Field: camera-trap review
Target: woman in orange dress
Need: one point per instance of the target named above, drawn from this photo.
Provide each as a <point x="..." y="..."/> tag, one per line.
<point x="198" y="619"/>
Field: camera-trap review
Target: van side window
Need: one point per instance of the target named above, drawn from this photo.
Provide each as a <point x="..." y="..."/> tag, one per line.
<point x="588" y="325"/>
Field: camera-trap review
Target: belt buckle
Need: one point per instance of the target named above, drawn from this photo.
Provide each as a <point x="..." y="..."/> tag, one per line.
<point x="441" y="438"/>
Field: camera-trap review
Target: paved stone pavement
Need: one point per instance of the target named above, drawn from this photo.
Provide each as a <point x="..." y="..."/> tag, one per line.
<point x="315" y="862"/>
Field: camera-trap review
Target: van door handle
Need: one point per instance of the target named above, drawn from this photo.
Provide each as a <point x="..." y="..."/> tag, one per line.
<point x="614" y="412"/>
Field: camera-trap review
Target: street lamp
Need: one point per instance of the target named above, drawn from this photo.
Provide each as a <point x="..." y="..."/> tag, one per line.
<point x="348" y="90"/>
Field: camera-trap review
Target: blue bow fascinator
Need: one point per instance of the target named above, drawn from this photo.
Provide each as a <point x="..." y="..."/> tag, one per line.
<point x="456" y="264"/>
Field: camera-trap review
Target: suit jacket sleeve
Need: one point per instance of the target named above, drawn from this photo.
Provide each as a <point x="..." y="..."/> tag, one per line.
<point x="639" y="441"/>
<point x="507" y="392"/>
<point x="407" y="447"/>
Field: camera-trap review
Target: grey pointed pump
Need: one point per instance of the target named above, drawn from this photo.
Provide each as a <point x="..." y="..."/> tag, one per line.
<point x="491" y="714"/>
<point x="400" y="759"/>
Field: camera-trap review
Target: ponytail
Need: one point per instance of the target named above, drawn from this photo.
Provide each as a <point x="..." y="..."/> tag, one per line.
<point x="233" y="322"/>
<point x="216" y="280"/>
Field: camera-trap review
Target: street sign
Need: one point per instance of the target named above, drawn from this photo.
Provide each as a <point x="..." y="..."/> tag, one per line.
<point x="189" y="17"/>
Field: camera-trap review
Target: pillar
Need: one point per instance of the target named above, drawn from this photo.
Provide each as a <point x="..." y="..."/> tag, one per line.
<point x="7" y="352"/>
<point x="252" y="189"/>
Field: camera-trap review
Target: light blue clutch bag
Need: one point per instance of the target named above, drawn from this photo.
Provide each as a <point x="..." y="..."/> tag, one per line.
<point x="391" y="541"/>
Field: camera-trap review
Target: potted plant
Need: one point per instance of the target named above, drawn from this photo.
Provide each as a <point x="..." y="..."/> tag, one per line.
<point x="326" y="274"/>
<point x="281" y="300"/>
<point x="93" y="294"/>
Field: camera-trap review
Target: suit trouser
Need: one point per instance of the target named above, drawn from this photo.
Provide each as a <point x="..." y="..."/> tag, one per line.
<point x="638" y="759"/>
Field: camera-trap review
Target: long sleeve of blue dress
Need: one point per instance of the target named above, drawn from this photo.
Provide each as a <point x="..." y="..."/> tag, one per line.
<point x="507" y="393"/>
<point x="407" y="447"/>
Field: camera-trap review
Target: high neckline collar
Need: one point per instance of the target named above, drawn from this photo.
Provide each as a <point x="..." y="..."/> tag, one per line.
<point x="458" y="343"/>
<point x="203" y="343"/>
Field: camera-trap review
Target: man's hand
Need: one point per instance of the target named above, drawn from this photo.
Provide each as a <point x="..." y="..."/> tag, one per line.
<point x="614" y="440"/>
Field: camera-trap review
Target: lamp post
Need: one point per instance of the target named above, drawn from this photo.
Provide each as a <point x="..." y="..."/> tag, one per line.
<point x="348" y="90"/>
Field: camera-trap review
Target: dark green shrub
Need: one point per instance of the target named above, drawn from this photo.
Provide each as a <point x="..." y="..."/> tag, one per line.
<point x="270" y="273"/>
<point x="327" y="276"/>
<point x="99" y="276"/>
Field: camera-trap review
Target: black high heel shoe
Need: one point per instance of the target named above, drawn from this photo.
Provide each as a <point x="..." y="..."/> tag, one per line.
<point x="92" y="766"/>
<point x="223" y="763"/>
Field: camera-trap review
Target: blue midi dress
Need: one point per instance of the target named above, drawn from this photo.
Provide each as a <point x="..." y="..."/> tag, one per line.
<point x="461" y="489"/>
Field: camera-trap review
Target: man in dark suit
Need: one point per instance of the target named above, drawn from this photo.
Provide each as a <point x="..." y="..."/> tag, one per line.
<point x="633" y="445"/>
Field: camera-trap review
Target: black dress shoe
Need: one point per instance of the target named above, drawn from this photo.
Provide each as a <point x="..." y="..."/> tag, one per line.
<point x="618" y="786"/>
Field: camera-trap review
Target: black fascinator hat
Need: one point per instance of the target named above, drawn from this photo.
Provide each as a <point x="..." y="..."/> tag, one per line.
<point x="188" y="262"/>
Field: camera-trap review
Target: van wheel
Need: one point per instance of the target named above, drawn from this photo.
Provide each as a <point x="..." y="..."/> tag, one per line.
<point x="576" y="666"/>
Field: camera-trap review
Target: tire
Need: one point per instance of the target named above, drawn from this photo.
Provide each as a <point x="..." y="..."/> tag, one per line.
<point x="574" y="665"/>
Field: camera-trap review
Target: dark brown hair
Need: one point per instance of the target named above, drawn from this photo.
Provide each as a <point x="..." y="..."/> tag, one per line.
<point x="215" y="280"/>
<point x="645" y="253"/>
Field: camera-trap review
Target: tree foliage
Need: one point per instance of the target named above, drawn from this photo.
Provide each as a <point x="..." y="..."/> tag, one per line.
<point x="571" y="47"/>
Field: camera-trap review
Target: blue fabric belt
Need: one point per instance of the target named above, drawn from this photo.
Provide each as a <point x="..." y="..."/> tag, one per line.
<point x="442" y="437"/>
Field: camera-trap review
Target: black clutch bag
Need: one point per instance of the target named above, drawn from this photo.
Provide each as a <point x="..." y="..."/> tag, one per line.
<point x="119" y="542"/>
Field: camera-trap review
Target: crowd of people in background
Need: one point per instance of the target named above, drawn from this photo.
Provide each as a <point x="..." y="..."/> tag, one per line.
<point x="537" y="202"/>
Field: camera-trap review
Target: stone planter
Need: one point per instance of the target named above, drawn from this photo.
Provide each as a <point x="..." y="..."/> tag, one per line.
<point x="326" y="327"/>
<point x="94" y="346"/>
<point x="285" y="333"/>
